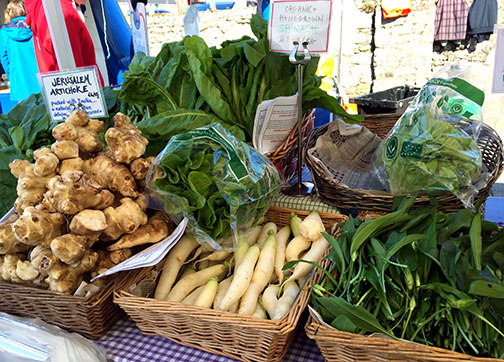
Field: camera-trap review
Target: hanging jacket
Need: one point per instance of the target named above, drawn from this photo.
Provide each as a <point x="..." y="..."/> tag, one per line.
<point x="482" y="17"/>
<point x="80" y="40"/>
<point x="451" y="20"/>
<point x="17" y="55"/>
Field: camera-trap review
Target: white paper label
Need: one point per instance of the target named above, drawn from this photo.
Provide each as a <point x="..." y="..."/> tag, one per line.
<point x="150" y="256"/>
<point x="65" y="91"/>
<point x="498" y="71"/>
<point x="300" y="21"/>
<point x="138" y="21"/>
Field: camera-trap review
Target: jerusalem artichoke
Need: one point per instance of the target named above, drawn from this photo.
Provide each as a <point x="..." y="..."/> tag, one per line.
<point x="70" y="248"/>
<point x="36" y="227"/>
<point x="88" y="222"/>
<point x="124" y="219"/>
<point x="125" y="140"/>
<point x="65" y="149"/>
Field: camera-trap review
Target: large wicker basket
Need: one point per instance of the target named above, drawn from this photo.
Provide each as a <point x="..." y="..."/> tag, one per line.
<point x="91" y="316"/>
<point x="348" y="199"/>
<point x="241" y="337"/>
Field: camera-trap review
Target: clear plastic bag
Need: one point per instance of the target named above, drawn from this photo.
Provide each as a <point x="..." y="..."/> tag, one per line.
<point x="29" y="340"/>
<point x="433" y="147"/>
<point x="222" y="185"/>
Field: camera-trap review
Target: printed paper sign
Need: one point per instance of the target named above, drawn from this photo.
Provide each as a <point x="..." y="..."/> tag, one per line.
<point x="65" y="91"/>
<point x="498" y="71"/>
<point x="300" y="21"/>
<point x="138" y="22"/>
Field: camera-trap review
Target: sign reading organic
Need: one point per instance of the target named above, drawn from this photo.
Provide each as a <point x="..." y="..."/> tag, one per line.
<point x="76" y="89"/>
<point x="301" y="22"/>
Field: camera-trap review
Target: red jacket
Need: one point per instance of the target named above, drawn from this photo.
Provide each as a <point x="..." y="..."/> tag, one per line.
<point x="80" y="40"/>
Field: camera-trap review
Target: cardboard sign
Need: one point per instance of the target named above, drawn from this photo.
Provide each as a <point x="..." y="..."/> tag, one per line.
<point x="300" y="21"/>
<point x="65" y="91"/>
<point x="498" y="71"/>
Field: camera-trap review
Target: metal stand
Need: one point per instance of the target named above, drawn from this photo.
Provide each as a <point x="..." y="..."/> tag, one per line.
<point x="299" y="189"/>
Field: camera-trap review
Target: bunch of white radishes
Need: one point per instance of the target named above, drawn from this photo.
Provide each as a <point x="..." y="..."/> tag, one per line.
<point x="250" y="280"/>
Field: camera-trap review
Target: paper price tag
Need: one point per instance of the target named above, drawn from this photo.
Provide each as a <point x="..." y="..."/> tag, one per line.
<point x="498" y="71"/>
<point x="65" y="91"/>
<point x="150" y="256"/>
<point x="300" y="21"/>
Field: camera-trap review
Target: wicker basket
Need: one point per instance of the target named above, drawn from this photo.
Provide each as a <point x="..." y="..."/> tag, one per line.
<point x="347" y="199"/>
<point x="241" y="337"/>
<point x="91" y="316"/>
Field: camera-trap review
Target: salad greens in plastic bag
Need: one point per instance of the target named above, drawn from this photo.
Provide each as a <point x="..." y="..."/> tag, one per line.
<point x="222" y="185"/>
<point x="433" y="147"/>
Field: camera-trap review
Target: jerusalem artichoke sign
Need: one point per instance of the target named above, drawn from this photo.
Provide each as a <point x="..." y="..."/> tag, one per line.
<point x="80" y="207"/>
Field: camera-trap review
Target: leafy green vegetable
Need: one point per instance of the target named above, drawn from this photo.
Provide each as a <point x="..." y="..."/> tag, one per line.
<point x="227" y="84"/>
<point x="433" y="278"/>
<point x="424" y="154"/>
<point x="216" y="181"/>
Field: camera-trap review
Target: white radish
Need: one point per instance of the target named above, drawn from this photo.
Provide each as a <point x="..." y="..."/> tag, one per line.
<point x="261" y="276"/>
<point x="218" y="255"/>
<point x="294" y="223"/>
<point x="250" y="235"/>
<point x="241" y="279"/>
<point x="221" y="291"/>
<point x="234" y="307"/>
<point x="282" y="237"/>
<point x="196" y="254"/>
<point x="312" y="226"/>
<point x="295" y="247"/>
<point x="264" y="233"/>
<point x="269" y="299"/>
<point x="190" y="282"/>
<point x="316" y="252"/>
<point x="207" y="295"/>
<point x="189" y="269"/>
<point x="239" y="253"/>
<point x="286" y="301"/>
<point x="259" y="312"/>
<point x="191" y="297"/>
<point x="172" y="265"/>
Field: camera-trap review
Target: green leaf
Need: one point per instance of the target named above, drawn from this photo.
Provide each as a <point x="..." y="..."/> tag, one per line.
<point x="486" y="289"/>
<point x="314" y="97"/>
<point x="254" y="56"/>
<point x="359" y="316"/>
<point x="476" y="242"/>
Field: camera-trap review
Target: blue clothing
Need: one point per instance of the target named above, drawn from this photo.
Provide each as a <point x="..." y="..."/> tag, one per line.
<point x="17" y="55"/>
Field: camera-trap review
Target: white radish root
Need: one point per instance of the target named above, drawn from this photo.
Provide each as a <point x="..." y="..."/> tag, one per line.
<point x="295" y="247"/>
<point x="269" y="299"/>
<point x="282" y="237"/>
<point x="264" y="233"/>
<point x="312" y="226"/>
<point x="206" y="297"/>
<point x="286" y="301"/>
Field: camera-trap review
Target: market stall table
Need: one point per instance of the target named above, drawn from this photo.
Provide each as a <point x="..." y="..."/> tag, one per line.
<point x="125" y="343"/>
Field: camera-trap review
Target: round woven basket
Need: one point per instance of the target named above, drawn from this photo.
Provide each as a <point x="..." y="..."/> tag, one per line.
<point x="373" y="201"/>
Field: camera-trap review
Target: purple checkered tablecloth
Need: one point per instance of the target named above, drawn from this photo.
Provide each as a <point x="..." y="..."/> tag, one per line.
<point x="125" y="343"/>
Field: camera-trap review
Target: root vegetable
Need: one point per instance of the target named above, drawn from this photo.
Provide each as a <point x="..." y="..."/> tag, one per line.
<point x="264" y="233"/>
<point x="125" y="140"/>
<point x="35" y="227"/>
<point x="282" y="237"/>
<point x="25" y="271"/>
<point x="221" y="291"/>
<point x="124" y="219"/>
<point x="30" y="187"/>
<point x="269" y="299"/>
<point x="240" y="252"/>
<point x="261" y="276"/>
<point x="316" y="252"/>
<point x="65" y="278"/>
<point x="107" y="173"/>
<point x="9" y="267"/>
<point x="241" y="279"/>
<point x="107" y="260"/>
<point x="46" y="162"/>
<point x="191" y="297"/>
<point x="259" y="312"/>
<point x="295" y="247"/>
<point x="207" y="295"/>
<point x="190" y="282"/>
<point x="74" y="191"/>
<point x="234" y="307"/>
<point x="65" y="149"/>
<point x="189" y="269"/>
<point x="312" y="226"/>
<point x="88" y="222"/>
<point x="83" y="130"/>
<point x="42" y="259"/>
<point x="140" y="167"/>
<point x="155" y="230"/>
<point x="251" y="235"/>
<point x="218" y="255"/>
<point x="9" y="244"/>
<point x="295" y="221"/>
<point x="172" y="264"/>
<point x="70" y="248"/>
<point x="71" y="164"/>
<point x="286" y="301"/>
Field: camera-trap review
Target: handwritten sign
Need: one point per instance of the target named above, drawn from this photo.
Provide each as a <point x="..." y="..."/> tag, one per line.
<point x="67" y="90"/>
<point x="300" y="21"/>
<point x="498" y="71"/>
